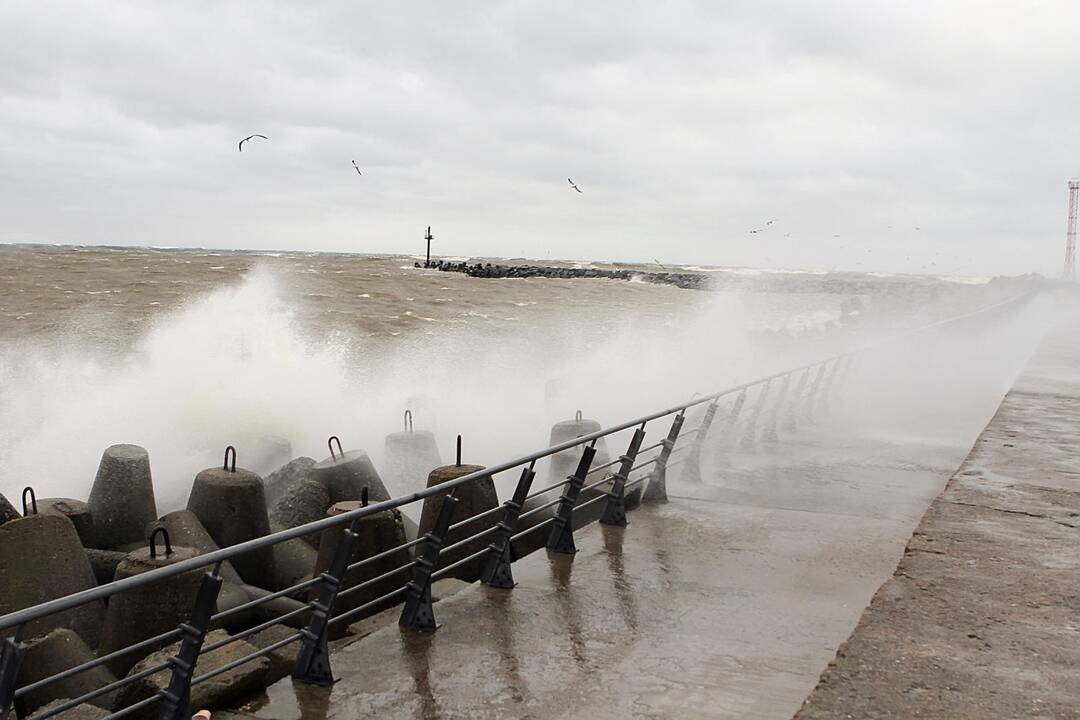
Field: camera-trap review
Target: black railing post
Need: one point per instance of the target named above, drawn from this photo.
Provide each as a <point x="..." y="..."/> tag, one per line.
<point x="497" y="572"/>
<point x="561" y="538"/>
<point x="750" y="436"/>
<point x="771" y="432"/>
<point x="790" y="424"/>
<point x="313" y="659"/>
<point x="692" y="468"/>
<point x="176" y="700"/>
<point x="656" y="490"/>
<point x="12" y="652"/>
<point x="615" y="507"/>
<point x="418" y="613"/>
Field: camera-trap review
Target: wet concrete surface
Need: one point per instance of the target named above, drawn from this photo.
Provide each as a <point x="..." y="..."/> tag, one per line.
<point x="982" y="617"/>
<point x="727" y="602"/>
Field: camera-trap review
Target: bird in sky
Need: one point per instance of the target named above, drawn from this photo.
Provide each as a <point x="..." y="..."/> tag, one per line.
<point x="357" y="167"/>
<point x="573" y="185"/>
<point x="770" y="222"/>
<point x="755" y="231"/>
<point x="241" y="145"/>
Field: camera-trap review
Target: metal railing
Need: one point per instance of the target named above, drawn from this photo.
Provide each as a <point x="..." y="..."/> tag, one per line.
<point x="777" y="403"/>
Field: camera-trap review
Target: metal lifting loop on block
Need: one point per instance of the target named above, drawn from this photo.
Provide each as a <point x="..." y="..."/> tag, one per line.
<point x="330" y="443"/>
<point x="363" y="496"/>
<point x="165" y="538"/>
<point x="225" y="465"/>
<point x="33" y="501"/>
<point x="408" y="421"/>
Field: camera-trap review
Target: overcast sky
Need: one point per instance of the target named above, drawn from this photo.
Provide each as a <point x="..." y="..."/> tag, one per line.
<point x="686" y="125"/>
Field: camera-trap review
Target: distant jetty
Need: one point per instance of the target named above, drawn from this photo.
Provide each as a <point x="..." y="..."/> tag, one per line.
<point x="690" y="281"/>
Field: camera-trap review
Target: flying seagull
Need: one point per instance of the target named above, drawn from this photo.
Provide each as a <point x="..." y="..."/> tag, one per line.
<point x="770" y="222"/>
<point x="241" y="145"/>
<point x="573" y="185"/>
<point x="357" y="168"/>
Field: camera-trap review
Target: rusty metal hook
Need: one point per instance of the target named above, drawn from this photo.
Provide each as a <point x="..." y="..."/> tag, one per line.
<point x="33" y="501"/>
<point x="165" y="535"/>
<point x="578" y="416"/>
<point x="225" y="466"/>
<point x="408" y="421"/>
<point x="330" y="444"/>
<point x="363" y="496"/>
<point x="458" y="451"/>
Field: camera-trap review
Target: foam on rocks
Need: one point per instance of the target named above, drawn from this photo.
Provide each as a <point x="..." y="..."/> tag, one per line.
<point x="122" y="497"/>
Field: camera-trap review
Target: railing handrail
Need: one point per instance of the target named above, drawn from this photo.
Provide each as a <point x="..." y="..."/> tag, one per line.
<point x="100" y="592"/>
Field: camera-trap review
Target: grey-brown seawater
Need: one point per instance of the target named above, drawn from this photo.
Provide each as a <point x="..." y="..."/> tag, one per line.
<point x="186" y="351"/>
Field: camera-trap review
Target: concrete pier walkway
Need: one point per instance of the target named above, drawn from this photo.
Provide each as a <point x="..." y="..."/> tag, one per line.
<point x="727" y="602"/>
<point x="982" y="617"/>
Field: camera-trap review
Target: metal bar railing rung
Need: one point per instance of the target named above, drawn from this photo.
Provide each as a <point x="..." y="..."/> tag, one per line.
<point x="366" y="606"/>
<point x="534" y="528"/>
<point x="385" y="553"/>
<point x="371" y="581"/>
<point x="64" y="674"/>
<point x="471" y="538"/>
<point x="476" y="517"/>
<point x="548" y="489"/>
<point x="124" y="712"/>
<point x="264" y="599"/>
<point x="540" y="508"/>
<point x="258" y="628"/>
<point x="104" y="690"/>
<point x="442" y="572"/>
<point x="246" y="658"/>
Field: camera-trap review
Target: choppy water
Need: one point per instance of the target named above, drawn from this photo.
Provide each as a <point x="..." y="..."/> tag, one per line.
<point x="185" y="351"/>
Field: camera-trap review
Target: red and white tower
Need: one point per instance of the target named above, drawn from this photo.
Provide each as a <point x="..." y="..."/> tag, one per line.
<point x="1070" y="232"/>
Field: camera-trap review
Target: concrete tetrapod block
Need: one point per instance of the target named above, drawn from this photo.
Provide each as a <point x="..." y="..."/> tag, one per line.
<point x="231" y="506"/>
<point x="377" y="533"/>
<point x="42" y="559"/>
<point x="230" y="685"/>
<point x="303" y="503"/>
<point x="185" y="529"/>
<point x="294" y="561"/>
<point x="271" y="453"/>
<point x="122" y="497"/>
<point x="103" y="563"/>
<point x="284" y="478"/>
<point x="563" y="464"/>
<point x="7" y="510"/>
<point x="408" y="458"/>
<point x="77" y="512"/>
<point x="143" y="612"/>
<point x="55" y="652"/>
<point x="345" y="476"/>
<point x="473" y="498"/>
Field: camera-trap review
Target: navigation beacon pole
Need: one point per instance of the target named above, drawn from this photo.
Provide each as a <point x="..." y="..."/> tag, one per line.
<point x="429" y="237"/>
